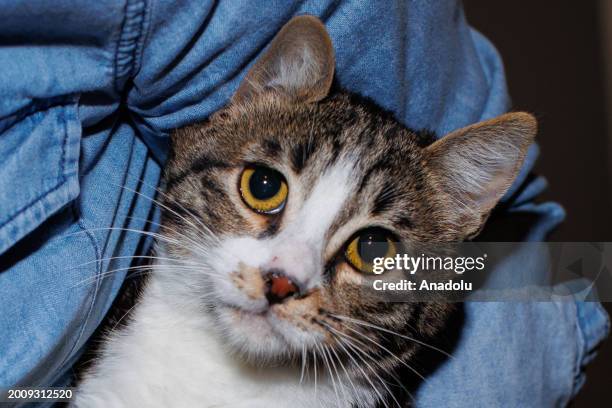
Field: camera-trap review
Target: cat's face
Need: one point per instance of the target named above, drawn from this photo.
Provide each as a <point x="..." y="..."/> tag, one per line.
<point x="268" y="201"/>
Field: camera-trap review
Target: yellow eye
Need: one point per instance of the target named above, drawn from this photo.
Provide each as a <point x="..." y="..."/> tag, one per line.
<point x="264" y="190"/>
<point x="369" y="244"/>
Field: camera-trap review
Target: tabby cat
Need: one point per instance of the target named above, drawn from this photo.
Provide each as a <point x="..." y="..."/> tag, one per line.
<point x="254" y="298"/>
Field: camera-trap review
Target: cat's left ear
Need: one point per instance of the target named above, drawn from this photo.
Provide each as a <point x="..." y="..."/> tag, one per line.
<point x="299" y="63"/>
<point x="476" y="165"/>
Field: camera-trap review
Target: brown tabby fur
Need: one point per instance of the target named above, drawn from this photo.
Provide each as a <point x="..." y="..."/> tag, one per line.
<point x="403" y="180"/>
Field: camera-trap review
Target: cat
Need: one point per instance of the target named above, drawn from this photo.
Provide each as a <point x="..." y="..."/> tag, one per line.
<point x="254" y="298"/>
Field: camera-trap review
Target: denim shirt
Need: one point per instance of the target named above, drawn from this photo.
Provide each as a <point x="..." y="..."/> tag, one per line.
<point x="89" y="92"/>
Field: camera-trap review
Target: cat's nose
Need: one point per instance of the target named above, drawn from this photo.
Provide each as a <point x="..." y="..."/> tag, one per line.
<point x="279" y="287"/>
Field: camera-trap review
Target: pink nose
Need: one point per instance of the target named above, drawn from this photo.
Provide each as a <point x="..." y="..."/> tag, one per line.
<point x="279" y="287"/>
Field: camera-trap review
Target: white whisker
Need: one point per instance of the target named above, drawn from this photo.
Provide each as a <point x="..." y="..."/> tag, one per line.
<point x="303" y="363"/>
<point x="387" y="350"/>
<point x="350" y="344"/>
<point x="112" y="258"/>
<point x="373" y="326"/>
<point x="345" y="371"/>
<point x="324" y="357"/>
<point x="159" y="203"/>
<point x="340" y="383"/>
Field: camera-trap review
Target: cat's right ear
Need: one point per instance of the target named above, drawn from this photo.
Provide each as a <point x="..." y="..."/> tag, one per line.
<point x="476" y="165"/>
<point x="299" y="64"/>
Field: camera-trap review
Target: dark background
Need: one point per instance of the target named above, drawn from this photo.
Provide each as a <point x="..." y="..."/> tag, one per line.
<point x="555" y="59"/>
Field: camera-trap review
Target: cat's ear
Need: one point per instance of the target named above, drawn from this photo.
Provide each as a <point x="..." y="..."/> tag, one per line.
<point x="476" y="165"/>
<point x="299" y="63"/>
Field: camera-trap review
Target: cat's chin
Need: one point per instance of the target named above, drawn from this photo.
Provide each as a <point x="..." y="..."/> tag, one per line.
<point x="261" y="338"/>
<point x="251" y="335"/>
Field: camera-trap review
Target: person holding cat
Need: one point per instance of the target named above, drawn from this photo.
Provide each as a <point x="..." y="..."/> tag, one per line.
<point x="91" y="93"/>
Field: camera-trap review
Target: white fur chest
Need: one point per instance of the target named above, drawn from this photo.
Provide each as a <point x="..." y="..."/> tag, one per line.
<point x="166" y="357"/>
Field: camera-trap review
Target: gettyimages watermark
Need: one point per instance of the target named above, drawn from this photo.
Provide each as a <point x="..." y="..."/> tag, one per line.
<point x="490" y="271"/>
<point x="412" y="264"/>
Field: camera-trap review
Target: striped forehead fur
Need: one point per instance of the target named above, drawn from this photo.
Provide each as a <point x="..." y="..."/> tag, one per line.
<point x="305" y="140"/>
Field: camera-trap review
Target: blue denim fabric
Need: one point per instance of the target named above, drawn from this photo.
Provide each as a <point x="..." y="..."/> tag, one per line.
<point x="88" y="94"/>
